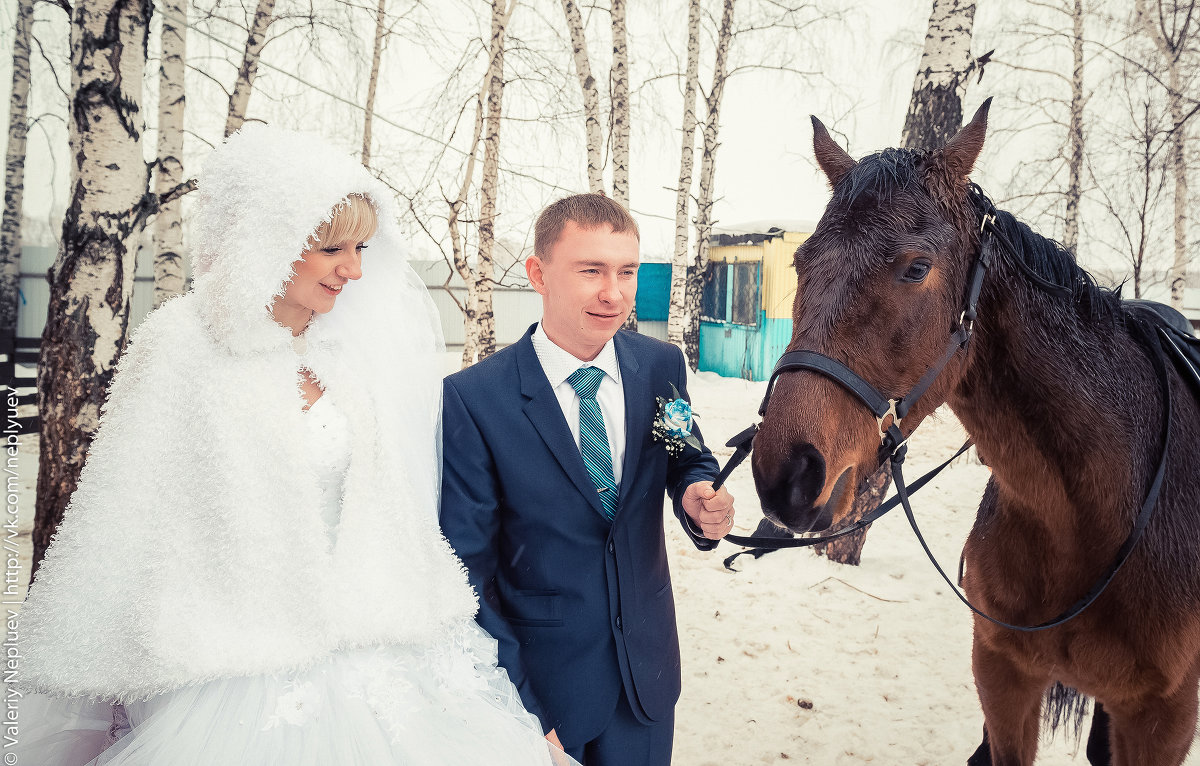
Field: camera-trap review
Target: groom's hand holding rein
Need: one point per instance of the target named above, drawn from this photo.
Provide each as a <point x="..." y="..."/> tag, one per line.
<point x="711" y="510"/>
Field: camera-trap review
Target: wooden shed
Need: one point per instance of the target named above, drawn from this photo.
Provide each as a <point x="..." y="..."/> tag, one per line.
<point x="746" y="309"/>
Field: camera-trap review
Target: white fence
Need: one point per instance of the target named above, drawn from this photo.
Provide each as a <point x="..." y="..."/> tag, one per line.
<point x="515" y="305"/>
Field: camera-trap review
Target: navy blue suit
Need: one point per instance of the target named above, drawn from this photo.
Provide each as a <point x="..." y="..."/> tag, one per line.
<point x="581" y="607"/>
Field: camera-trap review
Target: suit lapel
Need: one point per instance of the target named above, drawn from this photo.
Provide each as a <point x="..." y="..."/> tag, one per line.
<point x="544" y="411"/>
<point x="638" y="412"/>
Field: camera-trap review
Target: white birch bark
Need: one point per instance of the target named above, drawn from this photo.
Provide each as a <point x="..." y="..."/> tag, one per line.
<point x="1172" y="39"/>
<point x="376" y="55"/>
<point x="14" y="174"/>
<point x="484" y="277"/>
<point x="619" y="84"/>
<point x="239" y="99"/>
<point x="458" y="247"/>
<point x="168" y="224"/>
<point x="1075" y="133"/>
<point x="620" y="104"/>
<point x="1179" y="168"/>
<point x="92" y="278"/>
<point x="677" y="318"/>
<point x="591" y="96"/>
<point x="704" y="197"/>
<point x="935" y="112"/>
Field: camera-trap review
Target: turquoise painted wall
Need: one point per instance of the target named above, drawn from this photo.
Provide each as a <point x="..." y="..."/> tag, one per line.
<point x="740" y="351"/>
<point x="653" y="291"/>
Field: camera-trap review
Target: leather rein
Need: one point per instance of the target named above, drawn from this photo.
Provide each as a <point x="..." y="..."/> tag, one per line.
<point x="889" y="413"/>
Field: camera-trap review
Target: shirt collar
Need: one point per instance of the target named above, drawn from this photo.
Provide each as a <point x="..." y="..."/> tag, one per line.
<point x="558" y="364"/>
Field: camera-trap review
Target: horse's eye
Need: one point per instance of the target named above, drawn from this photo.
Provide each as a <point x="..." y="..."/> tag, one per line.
<point x="917" y="271"/>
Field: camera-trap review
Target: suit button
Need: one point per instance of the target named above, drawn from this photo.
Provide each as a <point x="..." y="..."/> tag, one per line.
<point x="612" y="547"/>
<point x="618" y="622"/>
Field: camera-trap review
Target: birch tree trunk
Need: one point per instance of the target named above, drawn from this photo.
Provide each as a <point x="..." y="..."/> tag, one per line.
<point x="239" y="99"/>
<point x="1172" y="37"/>
<point x="168" y="224"/>
<point x="591" y="97"/>
<point x="480" y="288"/>
<point x="1075" y="137"/>
<point x="619" y="84"/>
<point x="14" y="177"/>
<point x="469" y="307"/>
<point x="848" y="549"/>
<point x="92" y="278"/>
<point x="704" y="199"/>
<point x="1179" y="266"/>
<point x="678" y="319"/>
<point x="935" y="112"/>
<point x="377" y="54"/>
<point x="1147" y="168"/>
<point x="620" y="104"/>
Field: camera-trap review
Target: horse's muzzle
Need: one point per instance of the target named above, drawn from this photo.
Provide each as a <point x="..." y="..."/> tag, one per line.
<point x="788" y="498"/>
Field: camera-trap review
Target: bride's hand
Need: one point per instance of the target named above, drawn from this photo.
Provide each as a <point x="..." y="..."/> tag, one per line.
<point x="552" y="738"/>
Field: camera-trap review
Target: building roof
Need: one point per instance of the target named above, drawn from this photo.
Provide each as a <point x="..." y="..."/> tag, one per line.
<point x="753" y="232"/>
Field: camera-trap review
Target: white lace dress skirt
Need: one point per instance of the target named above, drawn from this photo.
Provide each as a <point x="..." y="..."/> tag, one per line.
<point x="448" y="704"/>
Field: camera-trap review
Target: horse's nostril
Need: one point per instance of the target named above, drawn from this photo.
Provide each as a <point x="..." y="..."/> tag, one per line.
<point x="807" y="475"/>
<point x="798" y="498"/>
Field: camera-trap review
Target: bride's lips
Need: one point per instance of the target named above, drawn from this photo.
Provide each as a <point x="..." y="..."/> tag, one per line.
<point x="330" y="290"/>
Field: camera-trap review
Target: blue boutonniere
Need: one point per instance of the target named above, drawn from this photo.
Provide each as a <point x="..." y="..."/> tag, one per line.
<point x="673" y="424"/>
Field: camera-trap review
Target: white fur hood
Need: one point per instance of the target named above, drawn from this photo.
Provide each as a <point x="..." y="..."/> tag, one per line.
<point x="194" y="546"/>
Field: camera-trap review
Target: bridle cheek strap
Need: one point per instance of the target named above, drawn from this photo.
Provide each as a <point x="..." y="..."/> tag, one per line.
<point x="891" y="438"/>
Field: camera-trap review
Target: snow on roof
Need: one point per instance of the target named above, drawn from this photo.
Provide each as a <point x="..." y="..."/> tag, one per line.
<point x="766" y="225"/>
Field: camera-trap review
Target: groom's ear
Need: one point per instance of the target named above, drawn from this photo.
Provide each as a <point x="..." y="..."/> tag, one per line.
<point x="533" y="268"/>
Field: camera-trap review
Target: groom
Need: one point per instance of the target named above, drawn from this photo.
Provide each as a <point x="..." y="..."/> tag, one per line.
<point x="552" y="494"/>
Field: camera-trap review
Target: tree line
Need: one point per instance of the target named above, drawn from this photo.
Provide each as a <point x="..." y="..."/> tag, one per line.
<point x="1111" y="86"/>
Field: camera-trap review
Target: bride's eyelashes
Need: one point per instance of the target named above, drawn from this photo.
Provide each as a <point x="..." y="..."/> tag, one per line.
<point x="333" y="250"/>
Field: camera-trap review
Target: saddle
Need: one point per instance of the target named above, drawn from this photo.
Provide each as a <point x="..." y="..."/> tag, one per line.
<point x="1177" y="339"/>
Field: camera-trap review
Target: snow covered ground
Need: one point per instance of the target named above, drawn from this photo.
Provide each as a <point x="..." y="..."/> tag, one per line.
<point x="795" y="659"/>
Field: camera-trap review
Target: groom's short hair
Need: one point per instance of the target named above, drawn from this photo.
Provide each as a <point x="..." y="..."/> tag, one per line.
<point x="587" y="211"/>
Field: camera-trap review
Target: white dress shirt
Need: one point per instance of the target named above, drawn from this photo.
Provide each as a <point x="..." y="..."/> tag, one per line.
<point x="558" y="365"/>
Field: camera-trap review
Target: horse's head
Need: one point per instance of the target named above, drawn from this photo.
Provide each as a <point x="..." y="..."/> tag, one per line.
<point x="880" y="287"/>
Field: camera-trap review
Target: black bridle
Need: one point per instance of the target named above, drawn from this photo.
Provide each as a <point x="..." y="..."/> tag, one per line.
<point x="889" y="413"/>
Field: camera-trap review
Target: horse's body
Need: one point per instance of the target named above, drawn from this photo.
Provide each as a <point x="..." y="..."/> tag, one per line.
<point x="1064" y="404"/>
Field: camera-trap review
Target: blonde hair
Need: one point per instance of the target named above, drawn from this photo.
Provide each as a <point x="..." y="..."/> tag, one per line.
<point x="353" y="220"/>
<point x="587" y="211"/>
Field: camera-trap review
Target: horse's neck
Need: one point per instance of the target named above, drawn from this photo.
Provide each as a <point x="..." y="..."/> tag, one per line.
<point x="1048" y="398"/>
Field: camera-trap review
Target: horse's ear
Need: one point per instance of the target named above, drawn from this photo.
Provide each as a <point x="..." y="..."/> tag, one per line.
<point x="831" y="157"/>
<point x="962" y="150"/>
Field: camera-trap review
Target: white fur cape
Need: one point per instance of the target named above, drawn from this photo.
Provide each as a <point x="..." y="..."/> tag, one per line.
<point x="194" y="547"/>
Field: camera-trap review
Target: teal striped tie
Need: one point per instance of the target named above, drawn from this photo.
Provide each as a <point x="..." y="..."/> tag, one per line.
<point x="593" y="438"/>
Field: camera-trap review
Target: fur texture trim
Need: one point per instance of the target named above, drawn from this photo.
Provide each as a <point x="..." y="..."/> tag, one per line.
<point x="194" y="547"/>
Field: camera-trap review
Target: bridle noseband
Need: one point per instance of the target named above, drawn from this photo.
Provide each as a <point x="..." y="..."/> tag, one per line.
<point x="893" y="442"/>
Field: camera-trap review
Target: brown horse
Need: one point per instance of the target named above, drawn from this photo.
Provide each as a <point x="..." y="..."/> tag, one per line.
<point x="1064" y="404"/>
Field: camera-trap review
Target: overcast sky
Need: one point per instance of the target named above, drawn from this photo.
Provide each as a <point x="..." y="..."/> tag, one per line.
<point x="863" y="68"/>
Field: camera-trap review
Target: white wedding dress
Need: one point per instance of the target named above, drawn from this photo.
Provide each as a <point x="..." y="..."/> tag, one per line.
<point x="447" y="703"/>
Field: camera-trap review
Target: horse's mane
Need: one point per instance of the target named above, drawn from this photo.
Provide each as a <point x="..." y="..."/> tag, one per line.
<point x="879" y="175"/>
<point x="1051" y="261"/>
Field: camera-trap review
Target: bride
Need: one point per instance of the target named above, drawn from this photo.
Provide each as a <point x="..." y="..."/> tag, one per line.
<point x="251" y="571"/>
